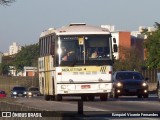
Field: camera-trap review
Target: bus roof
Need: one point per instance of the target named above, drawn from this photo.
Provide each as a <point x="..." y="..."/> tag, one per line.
<point x="77" y="29"/>
<point x="80" y="29"/>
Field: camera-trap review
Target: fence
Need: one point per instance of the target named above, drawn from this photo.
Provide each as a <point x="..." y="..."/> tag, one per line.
<point x="8" y="82"/>
<point x="151" y="74"/>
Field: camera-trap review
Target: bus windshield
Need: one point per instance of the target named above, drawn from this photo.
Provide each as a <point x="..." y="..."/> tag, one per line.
<point x="84" y="50"/>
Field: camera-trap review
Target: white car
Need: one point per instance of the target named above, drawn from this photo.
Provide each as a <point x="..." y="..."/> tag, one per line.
<point x="33" y="91"/>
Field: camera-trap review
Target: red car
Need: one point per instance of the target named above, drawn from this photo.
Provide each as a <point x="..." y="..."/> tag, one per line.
<point x="2" y="94"/>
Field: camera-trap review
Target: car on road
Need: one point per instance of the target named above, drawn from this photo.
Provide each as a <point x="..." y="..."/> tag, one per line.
<point x="2" y="94"/>
<point x="129" y="83"/>
<point x="19" y="91"/>
<point x="33" y="91"/>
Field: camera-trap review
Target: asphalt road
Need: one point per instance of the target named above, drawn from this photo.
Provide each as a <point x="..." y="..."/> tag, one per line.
<point x="98" y="109"/>
<point x="124" y="103"/>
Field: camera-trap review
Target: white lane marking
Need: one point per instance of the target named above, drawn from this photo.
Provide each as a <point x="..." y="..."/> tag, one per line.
<point x="86" y="108"/>
<point x="95" y="109"/>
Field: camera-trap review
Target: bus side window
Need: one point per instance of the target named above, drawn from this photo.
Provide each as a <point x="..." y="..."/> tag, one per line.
<point x="52" y="45"/>
<point x="52" y="48"/>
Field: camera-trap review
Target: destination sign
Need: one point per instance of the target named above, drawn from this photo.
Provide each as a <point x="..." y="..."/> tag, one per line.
<point x="85" y="69"/>
<point x="71" y="69"/>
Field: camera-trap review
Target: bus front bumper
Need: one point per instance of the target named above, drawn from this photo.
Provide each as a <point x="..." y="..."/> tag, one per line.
<point x="84" y="88"/>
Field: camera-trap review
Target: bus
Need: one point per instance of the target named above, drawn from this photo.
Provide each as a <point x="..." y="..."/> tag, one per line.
<point x="76" y="60"/>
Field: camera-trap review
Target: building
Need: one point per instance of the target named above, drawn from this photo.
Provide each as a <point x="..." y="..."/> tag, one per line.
<point x="12" y="71"/>
<point x="14" y="48"/>
<point x="128" y="40"/>
<point x="6" y="54"/>
<point x="138" y="40"/>
<point x="27" y="71"/>
<point x="123" y="40"/>
<point x="111" y="28"/>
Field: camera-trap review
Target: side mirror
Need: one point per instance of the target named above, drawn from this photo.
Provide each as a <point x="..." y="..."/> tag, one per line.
<point x="114" y="40"/>
<point x="115" y="48"/>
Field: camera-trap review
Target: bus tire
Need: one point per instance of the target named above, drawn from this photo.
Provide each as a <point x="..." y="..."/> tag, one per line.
<point x="139" y="96"/>
<point x="47" y="97"/>
<point x="52" y="98"/>
<point x="116" y="95"/>
<point x="83" y="97"/>
<point x="91" y="97"/>
<point x="58" y="97"/>
<point x="145" y="96"/>
<point x="103" y="97"/>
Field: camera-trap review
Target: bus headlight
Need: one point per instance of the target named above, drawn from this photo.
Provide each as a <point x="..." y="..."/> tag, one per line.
<point x="119" y="84"/>
<point x="144" y="84"/>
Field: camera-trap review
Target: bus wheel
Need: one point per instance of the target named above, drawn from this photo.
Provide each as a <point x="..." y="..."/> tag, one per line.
<point x="139" y="96"/>
<point x="52" y="97"/>
<point x="145" y="96"/>
<point x="116" y="95"/>
<point x="58" y="97"/>
<point x="91" y="97"/>
<point x="47" y="97"/>
<point x="84" y="98"/>
<point x="103" y="97"/>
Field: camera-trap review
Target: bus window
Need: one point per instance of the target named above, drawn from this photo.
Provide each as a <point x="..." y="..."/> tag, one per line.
<point x="73" y="49"/>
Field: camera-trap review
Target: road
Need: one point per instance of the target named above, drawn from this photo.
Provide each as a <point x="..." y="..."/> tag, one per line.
<point x="124" y="105"/>
<point x="130" y="103"/>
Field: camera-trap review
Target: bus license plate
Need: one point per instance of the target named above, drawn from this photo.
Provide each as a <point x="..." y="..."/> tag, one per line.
<point x="85" y="86"/>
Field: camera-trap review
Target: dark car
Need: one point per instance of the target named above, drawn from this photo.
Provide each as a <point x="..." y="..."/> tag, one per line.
<point x="129" y="83"/>
<point x="18" y="91"/>
<point x="33" y="91"/>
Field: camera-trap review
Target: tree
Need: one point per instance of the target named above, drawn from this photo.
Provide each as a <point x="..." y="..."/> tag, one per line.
<point x="130" y="60"/>
<point x="152" y="44"/>
<point x="28" y="56"/>
<point x="6" y="2"/>
<point x="6" y="62"/>
<point x="4" y="69"/>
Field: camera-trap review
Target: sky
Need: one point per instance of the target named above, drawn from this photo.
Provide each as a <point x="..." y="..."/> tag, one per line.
<point x="24" y="20"/>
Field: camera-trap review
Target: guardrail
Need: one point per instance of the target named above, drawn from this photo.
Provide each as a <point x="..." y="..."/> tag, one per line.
<point x="151" y="74"/>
